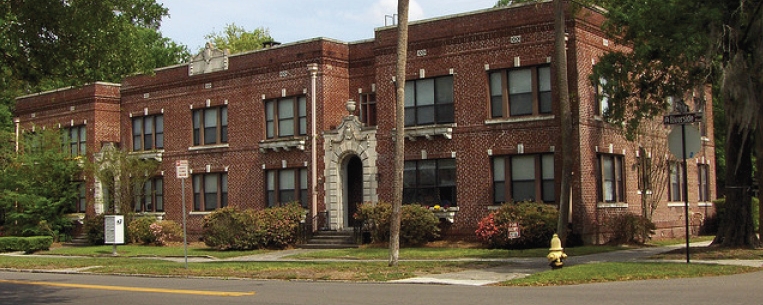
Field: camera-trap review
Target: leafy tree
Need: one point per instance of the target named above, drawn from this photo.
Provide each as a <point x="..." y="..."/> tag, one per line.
<point x="40" y="184"/>
<point x="47" y="44"/>
<point x="677" y="48"/>
<point x="237" y="39"/>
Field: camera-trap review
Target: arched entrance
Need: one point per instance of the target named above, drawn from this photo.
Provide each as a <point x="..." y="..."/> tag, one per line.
<point x="353" y="190"/>
<point x="350" y="176"/>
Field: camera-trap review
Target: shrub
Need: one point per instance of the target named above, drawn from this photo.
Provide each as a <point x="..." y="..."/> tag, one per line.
<point x="94" y="229"/>
<point x="147" y="230"/>
<point x="165" y="231"/>
<point x="537" y="224"/>
<point x="630" y="228"/>
<point x="275" y="227"/>
<point x="26" y="244"/>
<point x="139" y="231"/>
<point x="418" y="224"/>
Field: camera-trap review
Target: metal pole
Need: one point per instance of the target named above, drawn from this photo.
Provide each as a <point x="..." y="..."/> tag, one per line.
<point x="185" y="232"/>
<point x="686" y="189"/>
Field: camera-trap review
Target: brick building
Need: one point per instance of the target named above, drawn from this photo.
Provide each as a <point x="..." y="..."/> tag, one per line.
<point x="482" y="124"/>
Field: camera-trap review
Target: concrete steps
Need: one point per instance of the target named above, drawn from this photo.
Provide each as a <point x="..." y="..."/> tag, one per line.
<point x="330" y="240"/>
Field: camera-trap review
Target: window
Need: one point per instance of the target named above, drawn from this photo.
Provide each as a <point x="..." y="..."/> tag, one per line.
<point x="368" y="109"/>
<point x="151" y="197"/>
<point x="602" y="99"/>
<point x="429" y="101"/>
<point x="523" y="178"/>
<point x="286" y="186"/>
<point x="148" y="132"/>
<point x="286" y="117"/>
<point x="76" y="136"/>
<point x="518" y="92"/>
<point x="704" y="186"/>
<point x="611" y="178"/>
<point x="430" y="182"/>
<point x="676" y="186"/>
<point x="81" y="205"/>
<point x="210" y="126"/>
<point x="210" y="191"/>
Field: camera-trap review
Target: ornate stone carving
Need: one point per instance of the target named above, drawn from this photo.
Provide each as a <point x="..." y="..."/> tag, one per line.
<point x="208" y="60"/>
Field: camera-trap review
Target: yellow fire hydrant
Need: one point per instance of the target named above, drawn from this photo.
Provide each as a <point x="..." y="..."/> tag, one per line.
<point x="556" y="253"/>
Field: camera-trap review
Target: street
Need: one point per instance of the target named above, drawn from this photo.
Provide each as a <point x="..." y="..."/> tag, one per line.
<point x="83" y="289"/>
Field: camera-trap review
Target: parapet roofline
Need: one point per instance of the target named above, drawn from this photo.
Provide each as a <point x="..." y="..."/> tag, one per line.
<point x="67" y="88"/>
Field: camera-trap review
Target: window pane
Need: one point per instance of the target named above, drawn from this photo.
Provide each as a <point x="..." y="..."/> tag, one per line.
<point x="444" y="87"/>
<point x="224" y="125"/>
<point x="523" y="168"/>
<point x="520" y="81"/>
<point x="521" y="104"/>
<point x="410" y="91"/>
<point x="425" y="92"/>
<point x="496" y="106"/>
<point x="499" y="169"/>
<point x="523" y="190"/>
<point x="210" y="192"/>
<point x="499" y="192"/>
<point x="447" y="172"/>
<point x="302" y="115"/>
<point x="286" y="181"/>
<point x="409" y="174"/>
<point x="286" y="108"/>
<point x="271" y="180"/>
<point x="548" y="191"/>
<point x="148" y="141"/>
<point x="427" y="173"/>
<point x="410" y="116"/>
<point x="197" y="193"/>
<point x="196" y="127"/>
<point x="445" y="113"/>
<point x="544" y="79"/>
<point x="137" y="133"/>
<point x="210" y="126"/>
<point x="496" y="88"/>
<point x="547" y="166"/>
<point x="286" y="127"/>
<point x="425" y="115"/>
<point x="607" y="166"/>
<point x="160" y="132"/>
<point x="159" y="191"/>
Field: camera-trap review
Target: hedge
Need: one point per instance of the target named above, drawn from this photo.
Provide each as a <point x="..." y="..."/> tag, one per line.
<point x="26" y="244"/>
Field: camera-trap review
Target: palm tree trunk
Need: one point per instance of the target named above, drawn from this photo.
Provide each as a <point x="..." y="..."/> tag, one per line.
<point x="565" y="114"/>
<point x="397" y="195"/>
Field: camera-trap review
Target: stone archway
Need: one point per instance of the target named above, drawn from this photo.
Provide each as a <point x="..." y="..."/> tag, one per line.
<point x="350" y="145"/>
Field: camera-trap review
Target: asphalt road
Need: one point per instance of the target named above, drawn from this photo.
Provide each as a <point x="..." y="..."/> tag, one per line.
<point x="83" y="289"/>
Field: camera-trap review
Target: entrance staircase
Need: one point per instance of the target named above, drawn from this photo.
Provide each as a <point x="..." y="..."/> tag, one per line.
<point x="330" y="240"/>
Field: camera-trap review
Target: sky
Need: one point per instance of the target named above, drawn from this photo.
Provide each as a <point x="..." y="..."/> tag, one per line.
<point x="295" y="20"/>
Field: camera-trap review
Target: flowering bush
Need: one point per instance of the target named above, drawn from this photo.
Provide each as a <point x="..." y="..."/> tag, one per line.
<point x="147" y="230"/>
<point x="537" y="223"/>
<point x="275" y="227"/>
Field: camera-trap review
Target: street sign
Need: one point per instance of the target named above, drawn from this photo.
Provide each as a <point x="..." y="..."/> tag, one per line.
<point x="693" y="141"/>
<point x="181" y="169"/>
<point x="682" y="118"/>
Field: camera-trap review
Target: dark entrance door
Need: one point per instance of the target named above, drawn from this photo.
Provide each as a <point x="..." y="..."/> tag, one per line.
<point x="354" y="174"/>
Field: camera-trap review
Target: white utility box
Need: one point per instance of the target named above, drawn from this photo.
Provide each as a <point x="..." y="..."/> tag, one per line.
<point x="114" y="229"/>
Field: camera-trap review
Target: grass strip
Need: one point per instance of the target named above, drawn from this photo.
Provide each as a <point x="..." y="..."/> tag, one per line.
<point x="610" y="272"/>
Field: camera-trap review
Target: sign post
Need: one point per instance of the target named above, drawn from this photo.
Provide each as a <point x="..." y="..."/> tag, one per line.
<point x="181" y="170"/>
<point x="683" y="119"/>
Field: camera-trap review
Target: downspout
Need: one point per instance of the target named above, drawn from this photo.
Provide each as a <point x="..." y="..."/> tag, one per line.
<point x="313" y="69"/>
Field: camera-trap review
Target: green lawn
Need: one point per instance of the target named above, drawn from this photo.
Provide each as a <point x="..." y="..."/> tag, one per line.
<point x="609" y="272"/>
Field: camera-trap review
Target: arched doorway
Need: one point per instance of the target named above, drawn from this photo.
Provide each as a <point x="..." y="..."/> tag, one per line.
<point x="353" y="190"/>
